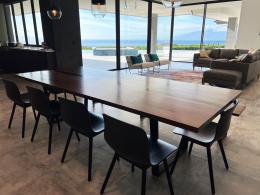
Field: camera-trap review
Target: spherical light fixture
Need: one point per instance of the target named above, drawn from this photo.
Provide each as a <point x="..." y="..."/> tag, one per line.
<point x="171" y="3"/>
<point x="54" y="13"/>
<point x="98" y="8"/>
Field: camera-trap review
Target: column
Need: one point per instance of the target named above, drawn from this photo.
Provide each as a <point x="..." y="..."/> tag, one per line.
<point x="3" y="31"/>
<point x="154" y="33"/>
<point x="231" y="32"/>
<point x="249" y="26"/>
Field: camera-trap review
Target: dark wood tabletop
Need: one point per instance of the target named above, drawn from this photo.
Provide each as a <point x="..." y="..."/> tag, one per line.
<point x="181" y="104"/>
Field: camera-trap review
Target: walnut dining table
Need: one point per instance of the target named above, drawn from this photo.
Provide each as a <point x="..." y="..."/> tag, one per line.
<point x="185" y="105"/>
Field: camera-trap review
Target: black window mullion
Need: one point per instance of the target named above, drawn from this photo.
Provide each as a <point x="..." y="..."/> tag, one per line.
<point x="118" y="47"/>
<point x="14" y="21"/>
<point x="24" y="24"/>
<point x="34" y="23"/>
<point x="203" y="26"/>
<point x="149" y="26"/>
<point x="171" y="35"/>
<point x="7" y="26"/>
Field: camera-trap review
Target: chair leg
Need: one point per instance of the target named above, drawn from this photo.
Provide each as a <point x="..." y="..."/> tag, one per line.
<point x="50" y="136"/>
<point x="143" y="189"/>
<point x="108" y="174"/>
<point x="223" y="153"/>
<point x="177" y="155"/>
<point x="168" y="176"/>
<point x="211" y="170"/>
<point x="133" y="167"/>
<point x="191" y="146"/>
<point x="35" y="126"/>
<point x="23" y="126"/>
<point x="12" y="116"/>
<point x="90" y="158"/>
<point x="75" y="98"/>
<point x="34" y="113"/>
<point x="66" y="147"/>
<point x="77" y="135"/>
<point x="65" y="95"/>
<point x="55" y="97"/>
<point x="58" y="123"/>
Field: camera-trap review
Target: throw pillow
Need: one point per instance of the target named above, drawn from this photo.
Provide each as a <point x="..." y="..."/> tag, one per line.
<point x="241" y="57"/>
<point x="137" y="59"/>
<point x="204" y="54"/>
<point x="154" y="57"/>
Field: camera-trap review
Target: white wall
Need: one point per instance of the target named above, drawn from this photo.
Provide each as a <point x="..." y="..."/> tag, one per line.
<point x="249" y="27"/>
<point x="3" y="33"/>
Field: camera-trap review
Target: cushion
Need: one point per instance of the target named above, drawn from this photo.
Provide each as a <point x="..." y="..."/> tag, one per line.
<point x="137" y="59"/>
<point x="228" y="53"/>
<point x="214" y="53"/>
<point x="242" y="51"/>
<point x="154" y="57"/>
<point x="204" y="54"/>
<point x="252" y="51"/>
<point x="228" y="75"/>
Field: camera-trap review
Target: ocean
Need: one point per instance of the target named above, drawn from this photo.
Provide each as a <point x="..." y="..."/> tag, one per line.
<point x="99" y="43"/>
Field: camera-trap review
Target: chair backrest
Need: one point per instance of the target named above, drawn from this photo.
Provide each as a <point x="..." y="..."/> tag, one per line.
<point x="147" y="58"/>
<point x="128" y="141"/>
<point x="12" y="91"/>
<point x="76" y="115"/>
<point x="224" y="121"/>
<point x="129" y="61"/>
<point x="39" y="101"/>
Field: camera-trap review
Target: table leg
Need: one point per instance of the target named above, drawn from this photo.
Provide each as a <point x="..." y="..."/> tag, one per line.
<point x="86" y="102"/>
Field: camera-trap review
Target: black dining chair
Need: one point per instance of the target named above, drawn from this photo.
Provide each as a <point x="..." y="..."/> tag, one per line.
<point x="49" y="109"/>
<point x="213" y="132"/>
<point x="132" y="144"/>
<point x="56" y="91"/>
<point x="19" y="99"/>
<point x="83" y="122"/>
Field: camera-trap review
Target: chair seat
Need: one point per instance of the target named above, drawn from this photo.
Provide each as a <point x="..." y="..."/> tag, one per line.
<point x="55" y="108"/>
<point x="25" y="99"/>
<point x="53" y="90"/>
<point x="160" y="150"/>
<point x="205" y="135"/>
<point x="96" y="123"/>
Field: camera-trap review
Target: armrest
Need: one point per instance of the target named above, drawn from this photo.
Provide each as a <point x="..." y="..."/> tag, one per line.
<point x="242" y="67"/>
<point x="196" y="56"/>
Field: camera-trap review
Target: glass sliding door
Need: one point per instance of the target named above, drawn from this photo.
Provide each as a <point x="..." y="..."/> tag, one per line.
<point x="221" y="25"/>
<point x="161" y="29"/>
<point x="98" y="37"/>
<point x="187" y="32"/>
<point x="133" y="28"/>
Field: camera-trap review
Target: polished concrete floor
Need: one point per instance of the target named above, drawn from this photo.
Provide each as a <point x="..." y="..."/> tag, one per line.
<point x="26" y="168"/>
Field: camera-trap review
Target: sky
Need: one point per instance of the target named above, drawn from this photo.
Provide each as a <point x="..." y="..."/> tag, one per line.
<point x="132" y="28"/>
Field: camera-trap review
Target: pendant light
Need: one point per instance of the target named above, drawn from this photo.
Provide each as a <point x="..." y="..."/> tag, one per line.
<point x="98" y="8"/>
<point x="171" y="3"/>
<point x="54" y="12"/>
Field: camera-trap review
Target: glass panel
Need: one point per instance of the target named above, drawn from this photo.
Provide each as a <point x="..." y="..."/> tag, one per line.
<point x="38" y="21"/>
<point x="187" y="32"/>
<point x="221" y="26"/>
<point x="98" y="37"/>
<point x="19" y="23"/>
<point x="12" y="33"/>
<point x="133" y="27"/>
<point x="29" y="22"/>
<point x="161" y="29"/>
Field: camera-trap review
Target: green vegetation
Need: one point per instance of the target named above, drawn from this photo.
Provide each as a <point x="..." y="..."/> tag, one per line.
<point x="175" y="46"/>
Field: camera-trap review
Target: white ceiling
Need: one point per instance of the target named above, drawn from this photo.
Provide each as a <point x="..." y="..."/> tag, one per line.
<point x="218" y="11"/>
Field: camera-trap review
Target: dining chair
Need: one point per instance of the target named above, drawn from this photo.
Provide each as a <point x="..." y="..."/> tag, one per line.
<point x="19" y="99"/>
<point x="132" y="144"/>
<point x="83" y="122"/>
<point x="213" y="132"/>
<point x="55" y="91"/>
<point x="49" y="109"/>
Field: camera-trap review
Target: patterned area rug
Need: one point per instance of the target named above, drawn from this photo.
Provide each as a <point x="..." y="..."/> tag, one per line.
<point x="178" y="75"/>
